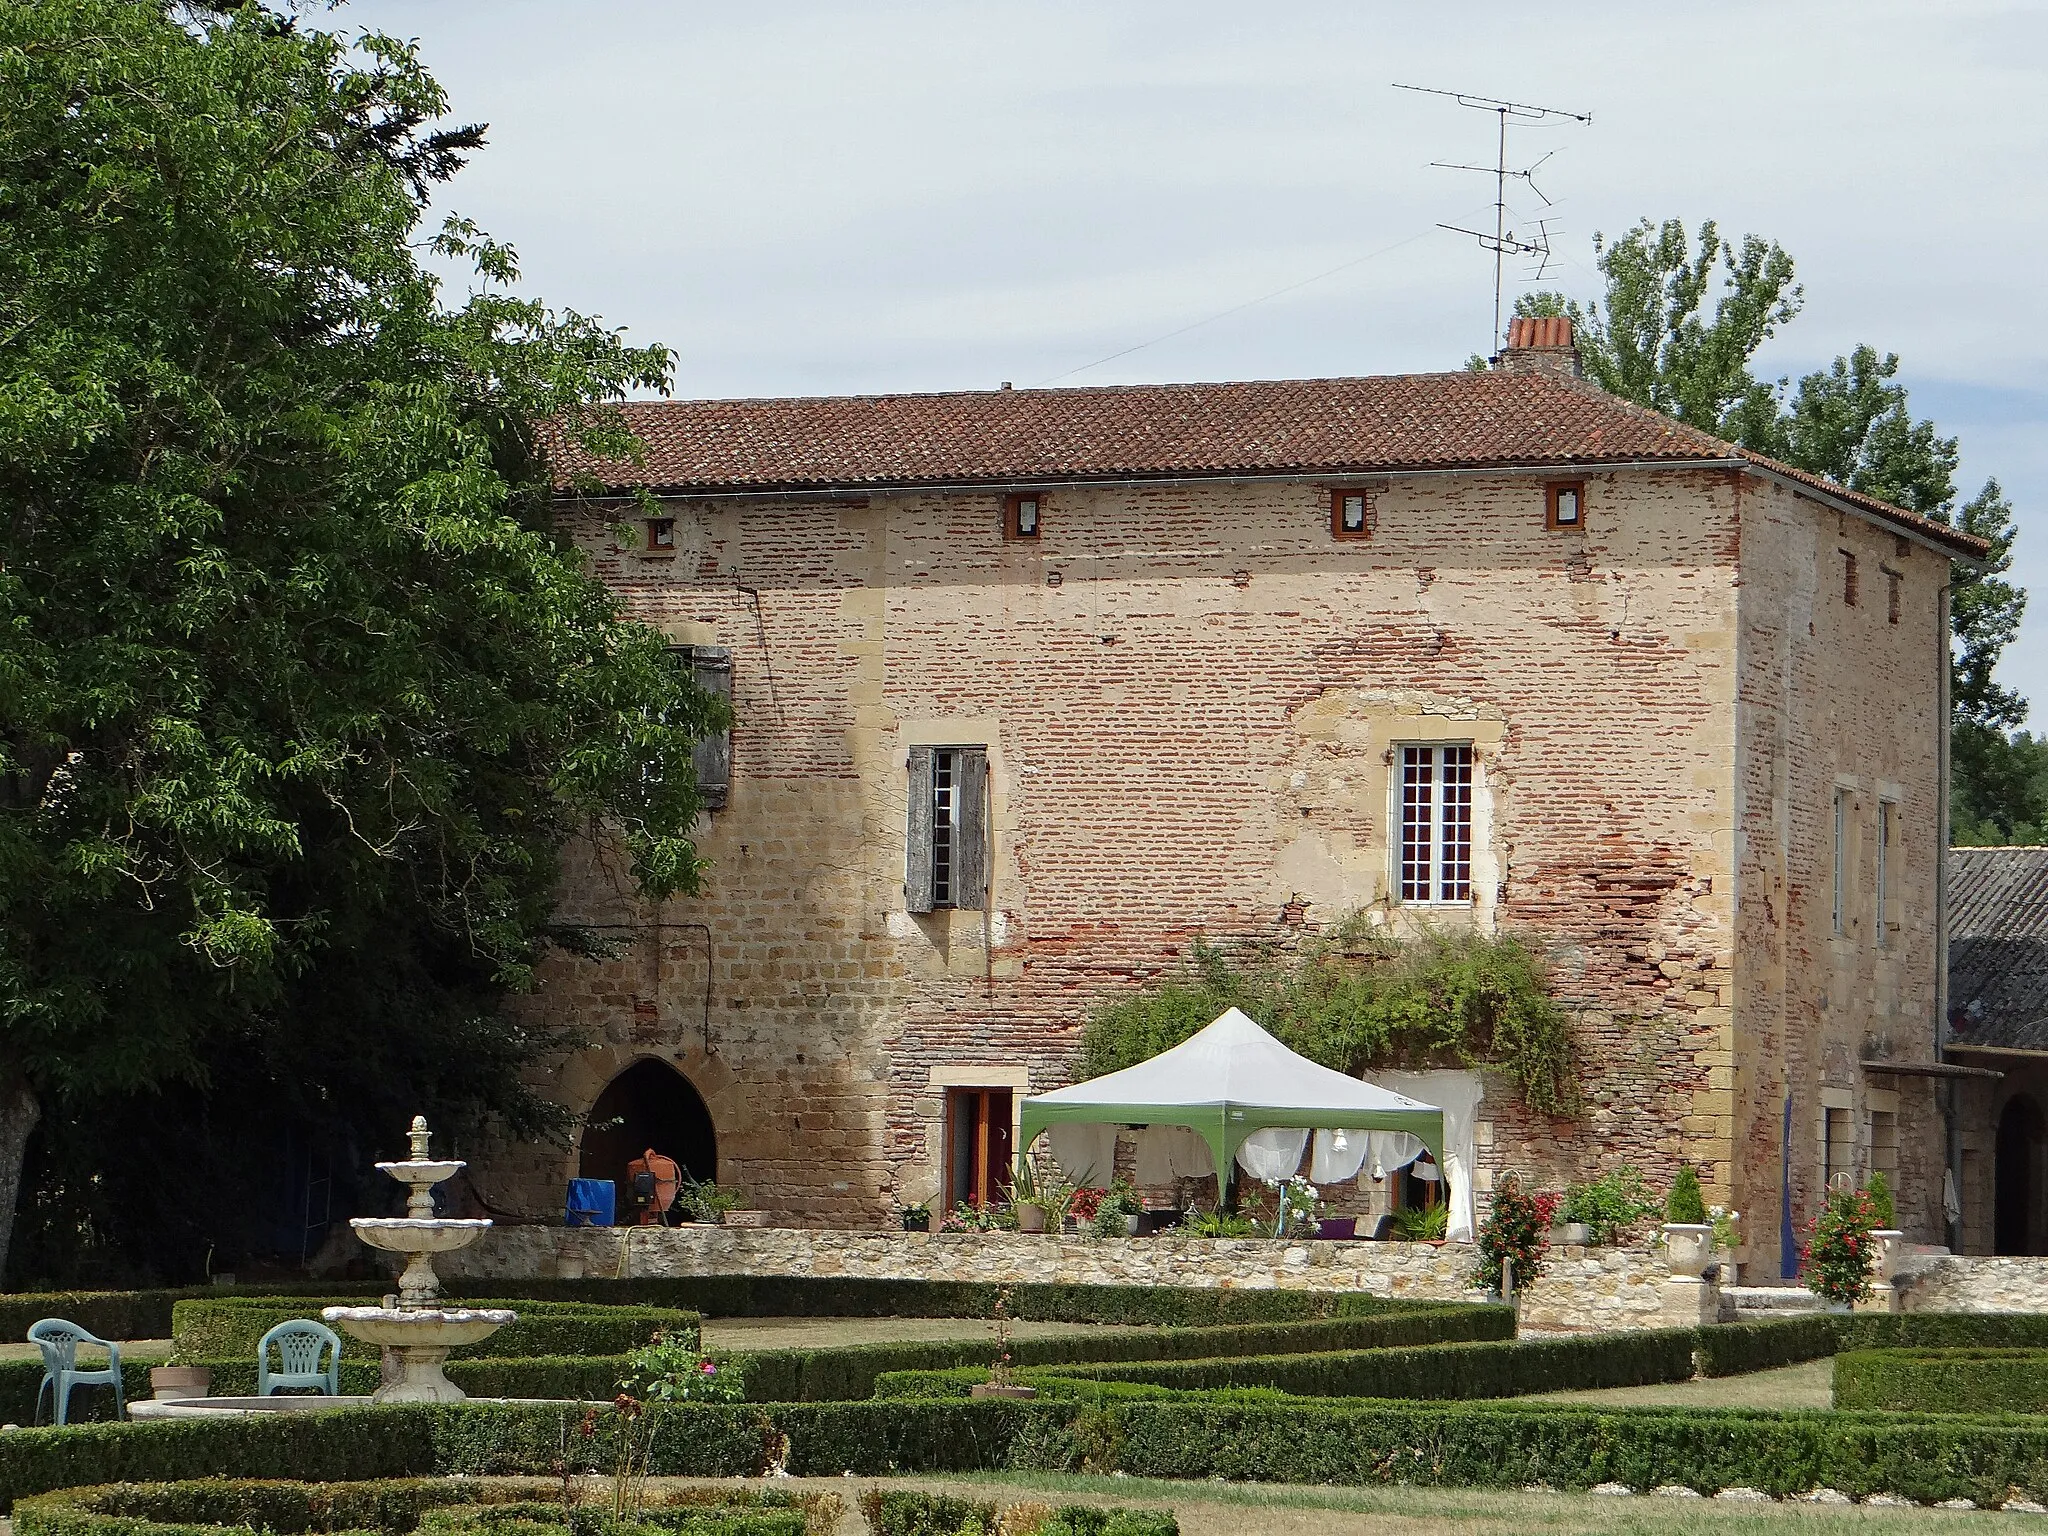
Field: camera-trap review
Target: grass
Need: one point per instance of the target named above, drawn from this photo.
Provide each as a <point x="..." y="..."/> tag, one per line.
<point x="1245" y="1509"/>
<point x="1809" y="1385"/>
<point x="814" y="1332"/>
<point x="131" y="1349"/>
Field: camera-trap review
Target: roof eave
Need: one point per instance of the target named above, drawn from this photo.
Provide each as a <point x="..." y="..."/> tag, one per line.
<point x="1962" y="547"/>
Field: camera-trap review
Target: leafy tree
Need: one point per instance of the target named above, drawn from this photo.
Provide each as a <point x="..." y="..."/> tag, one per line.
<point x="1650" y="340"/>
<point x="300" y="692"/>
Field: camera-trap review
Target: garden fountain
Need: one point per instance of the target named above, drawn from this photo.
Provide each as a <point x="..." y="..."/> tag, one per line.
<point x="413" y="1324"/>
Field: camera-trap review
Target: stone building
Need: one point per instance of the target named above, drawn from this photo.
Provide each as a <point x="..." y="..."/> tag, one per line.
<point x="1033" y="688"/>
<point x="1998" y="1026"/>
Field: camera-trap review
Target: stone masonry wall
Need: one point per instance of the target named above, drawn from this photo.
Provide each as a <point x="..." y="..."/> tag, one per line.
<point x="1191" y="700"/>
<point x="1834" y="697"/>
<point x="1586" y="1288"/>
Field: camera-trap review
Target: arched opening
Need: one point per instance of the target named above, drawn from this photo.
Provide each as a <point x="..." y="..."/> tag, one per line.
<point x="2016" y="1178"/>
<point x="650" y="1104"/>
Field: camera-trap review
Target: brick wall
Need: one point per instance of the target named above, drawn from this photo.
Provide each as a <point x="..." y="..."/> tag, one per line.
<point x="1188" y="696"/>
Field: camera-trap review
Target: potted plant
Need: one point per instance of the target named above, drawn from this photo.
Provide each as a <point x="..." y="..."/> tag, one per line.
<point x="1428" y="1224"/>
<point x="1727" y="1237"/>
<point x="917" y="1216"/>
<point x="1891" y="1242"/>
<point x="1027" y="1199"/>
<point x="1835" y="1263"/>
<point x="1511" y="1239"/>
<point x="1611" y="1204"/>
<point x="1686" y="1229"/>
<point x="1119" y="1212"/>
<point x="701" y="1201"/>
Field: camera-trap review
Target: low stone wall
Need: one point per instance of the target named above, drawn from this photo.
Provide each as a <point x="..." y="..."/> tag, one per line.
<point x="1585" y="1288"/>
<point x="1972" y="1283"/>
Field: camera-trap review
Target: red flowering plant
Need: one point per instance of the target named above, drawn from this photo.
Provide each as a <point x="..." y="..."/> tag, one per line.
<point x="1835" y="1260"/>
<point x="1515" y="1232"/>
<point x="1086" y="1201"/>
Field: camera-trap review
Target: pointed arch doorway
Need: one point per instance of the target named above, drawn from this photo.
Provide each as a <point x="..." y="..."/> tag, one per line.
<point x="650" y="1104"/>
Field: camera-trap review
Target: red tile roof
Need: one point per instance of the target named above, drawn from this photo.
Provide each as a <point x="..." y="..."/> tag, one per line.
<point x="1386" y="423"/>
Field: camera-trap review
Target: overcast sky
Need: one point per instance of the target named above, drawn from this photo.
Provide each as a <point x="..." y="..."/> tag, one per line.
<point x="814" y="198"/>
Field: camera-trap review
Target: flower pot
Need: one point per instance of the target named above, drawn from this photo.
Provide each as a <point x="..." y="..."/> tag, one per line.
<point x="1030" y="1218"/>
<point x="1134" y="1223"/>
<point x="994" y="1389"/>
<point x="917" y="1221"/>
<point x="1685" y="1246"/>
<point x="168" y="1383"/>
<point x="1337" y="1228"/>
<point x="744" y="1219"/>
<point x="1576" y="1233"/>
<point x="1891" y="1248"/>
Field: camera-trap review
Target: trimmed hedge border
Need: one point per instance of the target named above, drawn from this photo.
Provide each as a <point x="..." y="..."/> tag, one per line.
<point x="1171" y="1306"/>
<point x="1735" y="1349"/>
<point x="1926" y="1457"/>
<point x="899" y="1512"/>
<point x="1974" y="1381"/>
<point x="849" y="1372"/>
<point x="230" y="1327"/>
<point x="1432" y="1372"/>
<point x="146" y="1314"/>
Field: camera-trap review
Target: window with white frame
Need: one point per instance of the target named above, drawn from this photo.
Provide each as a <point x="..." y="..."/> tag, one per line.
<point x="1436" y="822"/>
<point x="1841" y="872"/>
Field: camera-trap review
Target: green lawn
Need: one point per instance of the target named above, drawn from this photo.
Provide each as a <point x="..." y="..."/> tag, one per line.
<point x="820" y="1332"/>
<point x="1810" y="1385"/>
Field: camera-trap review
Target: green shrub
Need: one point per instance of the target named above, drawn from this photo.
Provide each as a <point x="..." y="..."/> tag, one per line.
<point x="1882" y="1206"/>
<point x="140" y="1314"/>
<point x="1685" y="1203"/>
<point x="1611" y="1204"/>
<point x="1433" y="1371"/>
<point x="1943" y="1380"/>
<point x="227" y="1327"/>
<point x="848" y="1373"/>
<point x="1165" y="1306"/>
<point x="1736" y="1349"/>
<point x="898" y="1512"/>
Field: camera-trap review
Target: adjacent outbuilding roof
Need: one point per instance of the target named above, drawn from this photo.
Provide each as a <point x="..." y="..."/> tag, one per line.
<point x="1502" y="418"/>
<point x="1998" y="948"/>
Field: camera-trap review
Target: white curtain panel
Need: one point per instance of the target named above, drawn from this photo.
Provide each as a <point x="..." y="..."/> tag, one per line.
<point x="1332" y="1164"/>
<point x="1167" y="1153"/>
<point x="1086" y="1153"/>
<point x="1394" y="1150"/>
<point x="1272" y="1154"/>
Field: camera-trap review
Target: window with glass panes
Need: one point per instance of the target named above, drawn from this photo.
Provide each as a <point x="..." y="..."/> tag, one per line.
<point x="1436" y="822"/>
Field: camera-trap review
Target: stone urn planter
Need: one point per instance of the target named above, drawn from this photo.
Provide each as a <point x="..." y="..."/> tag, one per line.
<point x="169" y="1383"/>
<point x="1891" y="1248"/>
<point x="1134" y="1223"/>
<point x="1572" y="1233"/>
<point x="996" y="1389"/>
<point x="1030" y="1218"/>
<point x="1686" y="1245"/>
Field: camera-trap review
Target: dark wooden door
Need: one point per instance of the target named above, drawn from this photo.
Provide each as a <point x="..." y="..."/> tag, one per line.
<point x="977" y="1147"/>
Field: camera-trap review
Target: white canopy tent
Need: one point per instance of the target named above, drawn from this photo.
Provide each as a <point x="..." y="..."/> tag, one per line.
<point x="1225" y="1083"/>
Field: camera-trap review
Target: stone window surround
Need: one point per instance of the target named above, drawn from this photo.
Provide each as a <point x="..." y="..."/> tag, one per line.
<point x="1435" y="730"/>
<point x="1013" y="1076"/>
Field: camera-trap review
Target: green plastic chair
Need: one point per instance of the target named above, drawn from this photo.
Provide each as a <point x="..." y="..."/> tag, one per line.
<point x="59" y="1341"/>
<point x="300" y="1344"/>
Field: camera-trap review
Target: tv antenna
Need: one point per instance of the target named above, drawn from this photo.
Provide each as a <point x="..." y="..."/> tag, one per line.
<point x="1503" y="241"/>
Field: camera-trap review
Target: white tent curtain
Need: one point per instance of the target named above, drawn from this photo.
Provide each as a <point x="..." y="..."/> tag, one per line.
<point x="1332" y="1163"/>
<point x="1458" y="1094"/>
<point x="1086" y="1153"/>
<point x="1393" y="1151"/>
<point x="1169" y="1153"/>
<point x="1272" y="1154"/>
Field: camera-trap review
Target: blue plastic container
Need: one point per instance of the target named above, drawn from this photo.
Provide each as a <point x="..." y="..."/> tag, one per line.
<point x="592" y="1203"/>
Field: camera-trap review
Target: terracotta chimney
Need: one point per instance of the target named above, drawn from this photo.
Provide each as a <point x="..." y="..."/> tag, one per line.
<point x="1540" y="344"/>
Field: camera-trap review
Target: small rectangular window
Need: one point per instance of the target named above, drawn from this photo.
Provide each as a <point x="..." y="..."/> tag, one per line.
<point x="1566" y="500"/>
<point x="946" y="853"/>
<point x="1887" y="829"/>
<point x="1848" y="579"/>
<point x="1838" y="1149"/>
<point x="661" y="536"/>
<point x="710" y="667"/>
<point x="1352" y="513"/>
<point x="1436" y="823"/>
<point x="1884" y="1143"/>
<point x="1893" y="580"/>
<point x="1841" y="866"/>
<point x="1022" y="515"/>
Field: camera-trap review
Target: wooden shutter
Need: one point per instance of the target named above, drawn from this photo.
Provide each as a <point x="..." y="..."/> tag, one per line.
<point x="712" y="756"/>
<point x="917" y="851"/>
<point x="970" y="821"/>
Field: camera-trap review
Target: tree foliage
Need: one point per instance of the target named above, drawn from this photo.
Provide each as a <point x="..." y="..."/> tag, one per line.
<point x="1354" y="1001"/>
<point x="300" y="693"/>
<point x="1650" y="338"/>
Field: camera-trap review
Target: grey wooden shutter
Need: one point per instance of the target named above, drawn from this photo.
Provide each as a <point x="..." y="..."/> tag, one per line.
<point x="712" y="756"/>
<point x="970" y="822"/>
<point x="917" y="852"/>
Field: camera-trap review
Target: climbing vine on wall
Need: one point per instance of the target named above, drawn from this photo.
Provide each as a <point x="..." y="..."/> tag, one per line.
<point x="1354" y="999"/>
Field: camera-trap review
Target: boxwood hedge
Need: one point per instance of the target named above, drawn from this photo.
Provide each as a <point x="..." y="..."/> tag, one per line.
<point x="1943" y="1380"/>
<point x="229" y="1327"/>
<point x="900" y="1512"/>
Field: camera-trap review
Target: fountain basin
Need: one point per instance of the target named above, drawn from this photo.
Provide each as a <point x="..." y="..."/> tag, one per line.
<point x="417" y="1234"/>
<point x="434" y="1327"/>
<point x="233" y="1407"/>
<point x="418" y="1171"/>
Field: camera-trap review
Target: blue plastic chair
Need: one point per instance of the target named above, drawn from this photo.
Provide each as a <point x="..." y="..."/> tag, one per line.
<point x="59" y="1341"/>
<point x="300" y="1344"/>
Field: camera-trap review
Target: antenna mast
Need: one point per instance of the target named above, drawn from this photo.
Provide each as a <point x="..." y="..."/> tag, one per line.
<point x="1503" y="240"/>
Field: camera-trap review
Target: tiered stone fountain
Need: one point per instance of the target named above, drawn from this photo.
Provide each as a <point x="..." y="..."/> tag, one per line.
<point x="417" y="1328"/>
